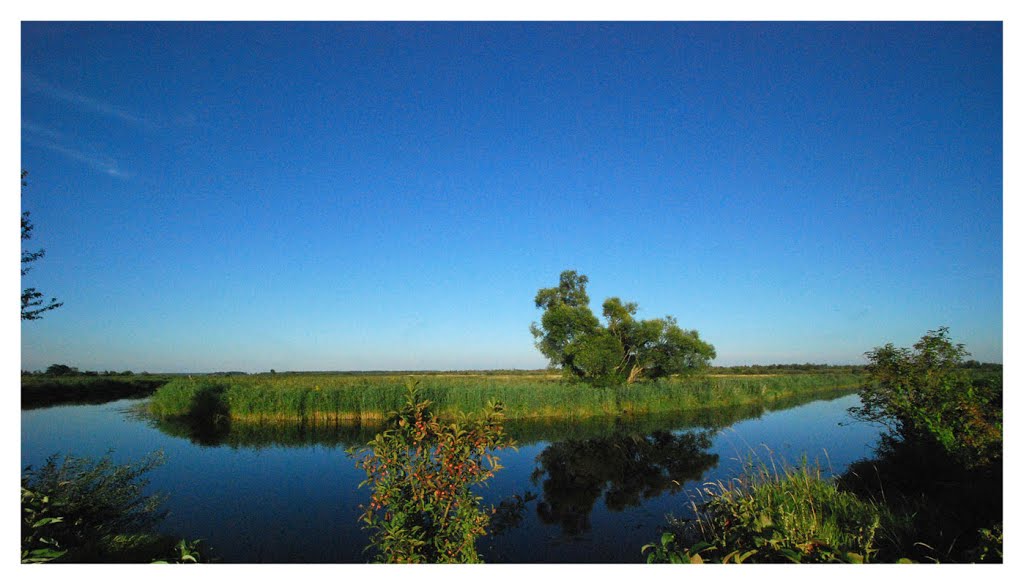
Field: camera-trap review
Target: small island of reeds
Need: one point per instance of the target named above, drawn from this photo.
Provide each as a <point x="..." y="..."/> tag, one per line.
<point x="333" y="398"/>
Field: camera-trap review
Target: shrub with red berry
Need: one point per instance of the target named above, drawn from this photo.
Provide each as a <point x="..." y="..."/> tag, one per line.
<point x="422" y="472"/>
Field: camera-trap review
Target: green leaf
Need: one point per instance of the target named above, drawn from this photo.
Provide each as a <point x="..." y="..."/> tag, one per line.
<point x="745" y="556"/>
<point x="46" y="521"/>
<point x="791" y="555"/>
<point x="701" y="547"/>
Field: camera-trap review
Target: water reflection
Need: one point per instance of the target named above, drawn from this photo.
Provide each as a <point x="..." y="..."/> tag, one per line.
<point x="261" y="493"/>
<point x="220" y="430"/>
<point x="623" y="468"/>
<point x="241" y="435"/>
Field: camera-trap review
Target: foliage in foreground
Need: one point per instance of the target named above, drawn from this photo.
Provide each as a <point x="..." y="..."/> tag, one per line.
<point x="422" y="473"/>
<point x="80" y="510"/>
<point x="926" y="396"/>
<point x="621" y="352"/>
<point x="766" y="517"/>
<point x="940" y="462"/>
<point x="933" y="494"/>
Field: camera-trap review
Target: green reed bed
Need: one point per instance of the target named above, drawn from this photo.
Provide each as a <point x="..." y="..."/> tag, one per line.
<point x="177" y="398"/>
<point x="524" y="431"/>
<point x="336" y="398"/>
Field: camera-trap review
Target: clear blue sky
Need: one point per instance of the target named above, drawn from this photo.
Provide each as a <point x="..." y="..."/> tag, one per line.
<point x="391" y="196"/>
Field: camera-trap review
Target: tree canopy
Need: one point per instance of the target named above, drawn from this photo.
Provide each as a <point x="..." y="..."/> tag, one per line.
<point x="624" y="350"/>
<point x="33" y="304"/>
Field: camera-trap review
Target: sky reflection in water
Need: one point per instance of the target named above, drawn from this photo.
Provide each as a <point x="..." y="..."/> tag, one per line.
<point x="600" y="488"/>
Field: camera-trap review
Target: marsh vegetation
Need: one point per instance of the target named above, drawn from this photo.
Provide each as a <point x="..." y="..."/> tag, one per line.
<point x="259" y="492"/>
<point x="80" y="510"/>
<point x="336" y="398"/>
<point x="428" y="446"/>
<point x="932" y="493"/>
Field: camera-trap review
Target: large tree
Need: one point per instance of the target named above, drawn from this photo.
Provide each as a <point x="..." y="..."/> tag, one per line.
<point x="622" y="351"/>
<point x="33" y="303"/>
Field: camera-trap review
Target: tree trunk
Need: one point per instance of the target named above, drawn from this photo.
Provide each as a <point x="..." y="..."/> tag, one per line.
<point x="634" y="374"/>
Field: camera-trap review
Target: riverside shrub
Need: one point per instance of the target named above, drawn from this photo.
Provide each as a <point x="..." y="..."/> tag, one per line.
<point x="422" y="471"/>
<point x="926" y="396"/>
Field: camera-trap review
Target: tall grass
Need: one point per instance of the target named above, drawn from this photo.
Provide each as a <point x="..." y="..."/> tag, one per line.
<point x="334" y="398"/>
<point x="778" y="514"/>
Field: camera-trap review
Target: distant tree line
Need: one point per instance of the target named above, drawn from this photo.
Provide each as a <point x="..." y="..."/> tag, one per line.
<point x="808" y="368"/>
<point x="60" y="370"/>
<point x="57" y="370"/>
<point x="976" y="365"/>
<point x="787" y="369"/>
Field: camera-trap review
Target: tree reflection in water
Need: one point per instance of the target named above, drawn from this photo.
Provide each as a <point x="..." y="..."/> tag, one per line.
<point x="626" y="468"/>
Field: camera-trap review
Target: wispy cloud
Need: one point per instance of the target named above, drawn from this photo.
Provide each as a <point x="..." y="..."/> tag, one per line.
<point x="35" y="84"/>
<point x="56" y="142"/>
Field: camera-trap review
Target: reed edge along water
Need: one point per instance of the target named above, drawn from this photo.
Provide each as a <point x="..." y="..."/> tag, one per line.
<point x="334" y="398"/>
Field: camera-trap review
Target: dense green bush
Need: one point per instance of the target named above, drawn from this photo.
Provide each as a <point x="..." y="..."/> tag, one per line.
<point x="925" y="395"/>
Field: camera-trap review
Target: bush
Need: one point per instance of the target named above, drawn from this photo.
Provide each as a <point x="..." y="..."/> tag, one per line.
<point x="927" y="396"/>
<point x="422" y="509"/>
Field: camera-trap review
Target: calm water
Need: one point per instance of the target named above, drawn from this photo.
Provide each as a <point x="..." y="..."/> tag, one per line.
<point x="602" y="487"/>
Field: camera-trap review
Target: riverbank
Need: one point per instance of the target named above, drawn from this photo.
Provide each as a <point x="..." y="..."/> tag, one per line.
<point x="41" y="391"/>
<point x="933" y="493"/>
<point x="337" y="398"/>
<point x="524" y="431"/>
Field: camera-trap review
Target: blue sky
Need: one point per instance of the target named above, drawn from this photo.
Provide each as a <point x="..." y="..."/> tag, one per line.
<point x="391" y="196"/>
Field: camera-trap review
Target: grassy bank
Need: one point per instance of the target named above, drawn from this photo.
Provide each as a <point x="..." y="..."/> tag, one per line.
<point x="886" y="510"/>
<point x="332" y="398"/>
<point x="783" y="514"/>
<point x="523" y="431"/>
<point x="933" y="492"/>
<point x="39" y="391"/>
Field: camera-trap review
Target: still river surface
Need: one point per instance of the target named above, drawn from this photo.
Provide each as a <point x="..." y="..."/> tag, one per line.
<point x="596" y="490"/>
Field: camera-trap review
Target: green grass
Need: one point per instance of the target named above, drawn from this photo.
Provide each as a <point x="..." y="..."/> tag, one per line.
<point x="782" y="514"/>
<point x="346" y="398"/>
